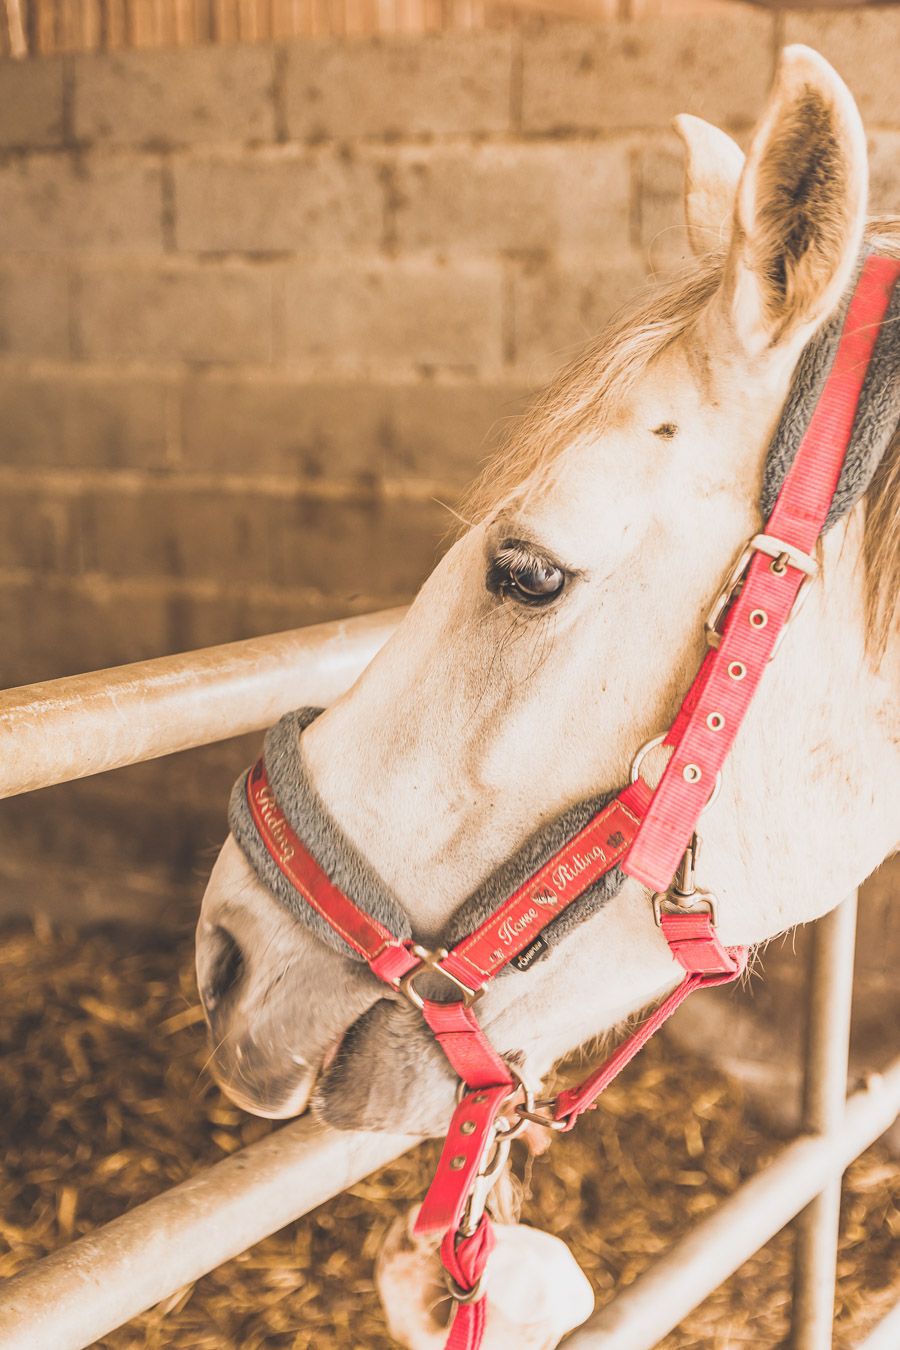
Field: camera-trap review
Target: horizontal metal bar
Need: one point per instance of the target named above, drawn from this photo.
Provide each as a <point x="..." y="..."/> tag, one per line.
<point x="84" y="724"/>
<point x="886" y="1336"/>
<point x="650" y="1308"/>
<point x="87" y="1289"/>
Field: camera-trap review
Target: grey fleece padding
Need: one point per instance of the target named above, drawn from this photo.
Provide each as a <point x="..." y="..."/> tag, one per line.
<point x="874" y="426"/>
<point x="538" y="849"/>
<point x="307" y="816"/>
<point x="349" y="871"/>
<point x="876" y="417"/>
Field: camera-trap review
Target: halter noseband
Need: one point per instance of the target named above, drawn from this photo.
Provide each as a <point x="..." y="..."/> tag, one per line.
<point x="649" y="834"/>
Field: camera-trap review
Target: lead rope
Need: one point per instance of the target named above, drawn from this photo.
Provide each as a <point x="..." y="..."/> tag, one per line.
<point x="645" y="831"/>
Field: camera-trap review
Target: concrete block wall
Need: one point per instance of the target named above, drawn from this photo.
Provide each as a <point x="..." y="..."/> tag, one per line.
<point x="262" y="310"/>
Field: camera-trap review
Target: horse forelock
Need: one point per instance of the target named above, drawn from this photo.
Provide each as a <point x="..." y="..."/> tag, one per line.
<point x="583" y="398"/>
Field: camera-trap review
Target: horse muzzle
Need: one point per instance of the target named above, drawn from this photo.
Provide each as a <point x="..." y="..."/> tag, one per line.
<point x="388" y="1074"/>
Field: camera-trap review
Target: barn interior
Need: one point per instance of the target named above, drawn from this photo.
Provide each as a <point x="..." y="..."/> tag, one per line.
<point x="276" y="276"/>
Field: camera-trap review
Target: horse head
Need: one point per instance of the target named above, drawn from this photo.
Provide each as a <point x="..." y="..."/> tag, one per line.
<point x="560" y="632"/>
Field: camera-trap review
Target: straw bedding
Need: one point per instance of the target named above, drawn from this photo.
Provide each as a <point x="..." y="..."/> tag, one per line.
<point x="105" y="1103"/>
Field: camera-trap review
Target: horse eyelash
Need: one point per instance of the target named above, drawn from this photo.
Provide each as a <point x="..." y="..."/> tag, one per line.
<point x="514" y="558"/>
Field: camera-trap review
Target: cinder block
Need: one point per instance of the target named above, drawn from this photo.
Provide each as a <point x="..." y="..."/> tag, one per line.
<point x="31" y="103"/>
<point x="557" y="309"/>
<point x="34" y="307"/>
<point x="355" y="430"/>
<point x="513" y="197"/>
<point x="54" y="627"/>
<point x="38" y="528"/>
<point x="74" y="418"/>
<point x="660" y="195"/>
<point x="365" y="543"/>
<point x="284" y="199"/>
<point x="641" y="73"/>
<point x="399" y="86"/>
<point x="240" y="612"/>
<point x="884" y="172"/>
<point x="447" y="431"/>
<point x="388" y="547"/>
<point x="862" y="45"/>
<point x="58" y="202"/>
<point x="175" y="97"/>
<point x="175" y="312"/>
<point x="276" y="425"/>
<point x="406" y="314"/>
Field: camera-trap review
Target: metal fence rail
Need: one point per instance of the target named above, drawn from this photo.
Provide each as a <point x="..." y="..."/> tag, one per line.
<point x="85" y="724"/>
<point x="65" y="729"/>
<point x="87" y="1289"/>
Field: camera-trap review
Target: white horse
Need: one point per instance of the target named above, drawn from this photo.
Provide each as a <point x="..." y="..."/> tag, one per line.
<point x="560" y="633"/>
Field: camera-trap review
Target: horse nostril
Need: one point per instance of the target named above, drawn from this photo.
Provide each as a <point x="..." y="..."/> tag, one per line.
<point x="225" y="969"/>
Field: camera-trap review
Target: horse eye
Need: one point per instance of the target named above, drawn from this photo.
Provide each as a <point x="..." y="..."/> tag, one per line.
<point x="523" y="577"/>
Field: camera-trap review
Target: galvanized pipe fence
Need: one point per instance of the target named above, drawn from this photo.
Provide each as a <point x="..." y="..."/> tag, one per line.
<point x="70" y="728"/>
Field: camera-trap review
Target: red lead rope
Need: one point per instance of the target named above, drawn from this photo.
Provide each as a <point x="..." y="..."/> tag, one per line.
<point x="644" y="831"/>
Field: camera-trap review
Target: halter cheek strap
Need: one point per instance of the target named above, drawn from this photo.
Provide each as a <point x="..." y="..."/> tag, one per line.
<point x="643" y="831"/>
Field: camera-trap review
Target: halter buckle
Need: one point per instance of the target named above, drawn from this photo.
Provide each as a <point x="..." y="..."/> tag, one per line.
<point x="783" y="556"/>
<point x="430" y="962"/>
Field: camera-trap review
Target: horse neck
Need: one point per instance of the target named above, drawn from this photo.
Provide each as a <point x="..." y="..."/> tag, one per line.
<point x="809" y="807"/>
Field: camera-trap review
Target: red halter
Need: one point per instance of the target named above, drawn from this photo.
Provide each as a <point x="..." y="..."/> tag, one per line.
<point x="644" y="831"/>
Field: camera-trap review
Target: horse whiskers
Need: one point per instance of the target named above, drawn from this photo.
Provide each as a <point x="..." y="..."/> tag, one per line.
<point x="210" y="1057"/>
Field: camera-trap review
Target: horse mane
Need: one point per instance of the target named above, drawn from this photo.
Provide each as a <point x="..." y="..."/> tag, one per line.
<point x="583" y="398"/>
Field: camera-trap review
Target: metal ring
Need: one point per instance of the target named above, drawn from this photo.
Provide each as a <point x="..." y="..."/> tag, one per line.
<point x="460" y="1295"/>
<point x="713" y="796"/>
<point x="503" y="1127"/>
<point x="535" y="1117"/>
<point x="643" y="753"/>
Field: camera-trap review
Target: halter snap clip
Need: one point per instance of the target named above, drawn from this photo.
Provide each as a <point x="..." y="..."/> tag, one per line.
<point x="683" y="896"/>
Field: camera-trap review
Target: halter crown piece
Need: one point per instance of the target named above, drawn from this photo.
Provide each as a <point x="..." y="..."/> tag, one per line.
<point x="825" y="451"/>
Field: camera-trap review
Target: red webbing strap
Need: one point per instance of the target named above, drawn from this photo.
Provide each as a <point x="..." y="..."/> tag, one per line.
<point x="464" y="1043"/>
<point x="587" y="856"/>
<point x="465" y="1259"/>
<point x="461" y="1158"/>
<point x="730" y="675"/>
<point x="694" y="943"/>
<point x="359" y="930"/>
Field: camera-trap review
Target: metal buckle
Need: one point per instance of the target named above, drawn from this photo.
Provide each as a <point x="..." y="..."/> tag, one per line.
<point x="430" y="961"/>
<point x="784" y="555"/>
<point x="683" y="896"/>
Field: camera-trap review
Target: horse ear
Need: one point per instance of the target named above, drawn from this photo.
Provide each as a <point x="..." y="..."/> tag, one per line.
<point x="800" y="206"/>
<point x="712" y="171"/>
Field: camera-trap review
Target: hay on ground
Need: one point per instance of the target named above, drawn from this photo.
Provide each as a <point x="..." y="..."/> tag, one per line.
<point x="105" y="1103"/>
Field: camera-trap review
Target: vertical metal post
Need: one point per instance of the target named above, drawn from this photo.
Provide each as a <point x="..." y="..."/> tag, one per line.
<point x="824" y="1097"/>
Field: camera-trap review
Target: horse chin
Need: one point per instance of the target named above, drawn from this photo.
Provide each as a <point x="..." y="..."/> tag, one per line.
<point x="387" y="1076"/>
<point x="293" y="1105"/>
<point x="261" y="1092"/>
